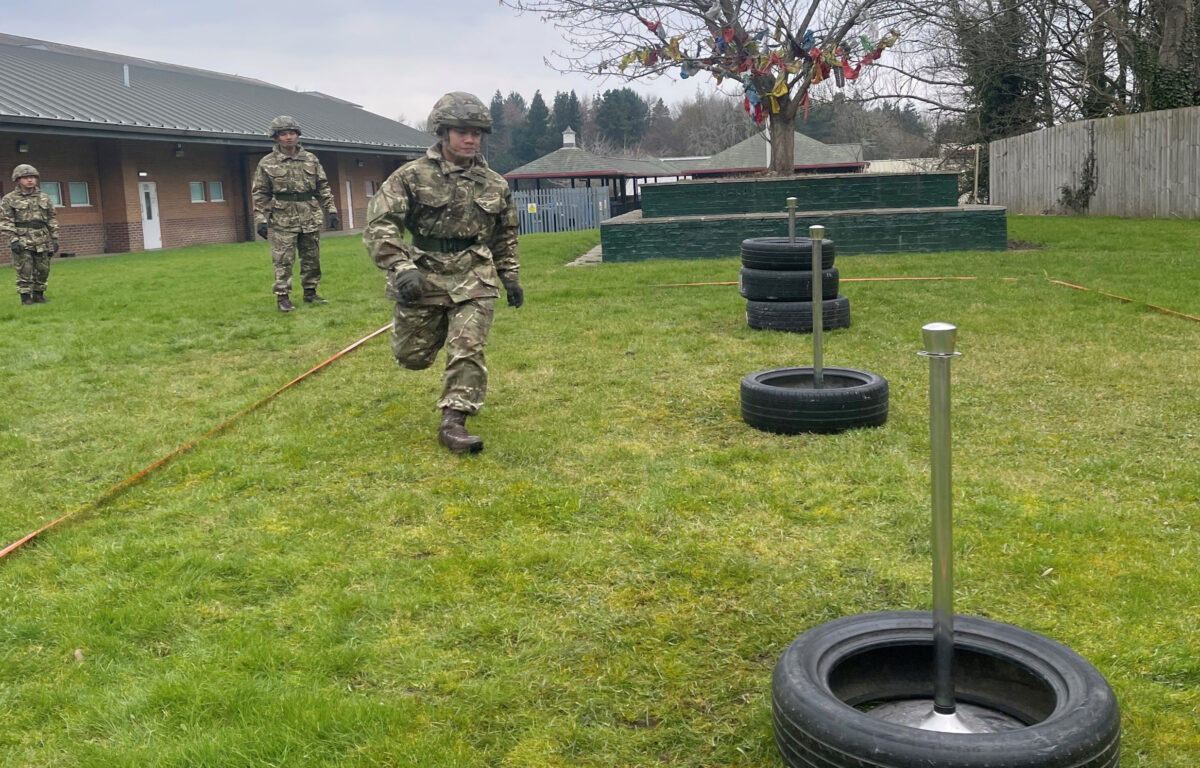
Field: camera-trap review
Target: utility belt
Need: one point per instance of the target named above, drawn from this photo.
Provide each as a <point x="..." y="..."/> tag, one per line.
<point x="30" y="224"/>
<point x="294" y="197"/>
<point x="443" y="244"/>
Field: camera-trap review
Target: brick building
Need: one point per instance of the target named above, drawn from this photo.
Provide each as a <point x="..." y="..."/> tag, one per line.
<point x="139" y="155"/>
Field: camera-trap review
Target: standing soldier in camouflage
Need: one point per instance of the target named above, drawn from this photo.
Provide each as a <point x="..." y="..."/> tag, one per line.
<point x="290" y="191"/>
<point x="27" y="218"/>
<point x="464" y="246"/>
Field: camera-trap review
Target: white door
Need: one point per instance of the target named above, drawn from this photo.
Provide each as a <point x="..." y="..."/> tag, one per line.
<point x="151" y="230"/>
<point x="349" y="208"/>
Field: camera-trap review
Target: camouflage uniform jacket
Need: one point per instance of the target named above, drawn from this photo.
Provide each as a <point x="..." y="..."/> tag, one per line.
<point x="282" y="174"/>
<point x="433" y="198"/>
<point x="29" y="217"/>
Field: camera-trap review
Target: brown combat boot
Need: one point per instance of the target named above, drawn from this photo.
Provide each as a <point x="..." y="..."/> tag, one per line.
<point x="454" y="435"/>
<point x="311" y="297"/>
<point x="285" y="303"/>
<point x="39" y="297"/>
<point x="26" y="299"/>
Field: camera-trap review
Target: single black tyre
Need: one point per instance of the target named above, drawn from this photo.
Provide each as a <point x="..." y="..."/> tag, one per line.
<point x="797" y="315"/>
<point x="778" y="253"/>
<point x="785" y="400"/>
<point x="770" y="285"/>
<point x="1063" y="713"/>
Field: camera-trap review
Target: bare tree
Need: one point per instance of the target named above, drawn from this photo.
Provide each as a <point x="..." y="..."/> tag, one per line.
<point x="709" y="124"/>
<point x="1070" y="59"/>
<point x="773" y="49"/>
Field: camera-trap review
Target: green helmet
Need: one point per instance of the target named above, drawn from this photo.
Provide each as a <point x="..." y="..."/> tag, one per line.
<point x="459" y="110"/>
<point x="23" y="170"/>
<point x="283" y="123"/>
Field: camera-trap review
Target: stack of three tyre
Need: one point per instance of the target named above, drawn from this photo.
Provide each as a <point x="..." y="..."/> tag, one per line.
<point x="776" y="280"/>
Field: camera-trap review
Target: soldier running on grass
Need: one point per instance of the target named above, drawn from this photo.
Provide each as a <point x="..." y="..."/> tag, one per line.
<point x="464" y="246"/>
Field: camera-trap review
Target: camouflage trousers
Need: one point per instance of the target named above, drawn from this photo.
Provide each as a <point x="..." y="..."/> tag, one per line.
<point x="284" y="246"/>
<point x="420" y="331"/>
<point x="33" y="270"/>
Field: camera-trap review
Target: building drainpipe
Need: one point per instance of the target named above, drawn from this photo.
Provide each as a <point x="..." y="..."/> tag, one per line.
<point x="248" y="201"/>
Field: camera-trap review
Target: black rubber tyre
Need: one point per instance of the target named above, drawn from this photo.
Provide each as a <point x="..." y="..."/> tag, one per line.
<point x="777" y="253"/>
<point x="771" y="285"/>
<point x="828" y="677"/>
<point x="797" y="315"/>
<point x="783" y="400"/>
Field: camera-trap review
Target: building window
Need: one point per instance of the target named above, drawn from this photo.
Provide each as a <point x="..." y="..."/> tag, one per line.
<point x="53" y="191"/>
<point x="216" y="192"/>
<point x="197" y="189"/>
<point x="80" y="197"/>
<point x="370" y="189"/>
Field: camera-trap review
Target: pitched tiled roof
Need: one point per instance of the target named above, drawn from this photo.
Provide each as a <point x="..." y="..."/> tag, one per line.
<point x="755" y="154"/>
<point x="576" y="162"/>
<point x="84" y="91"/>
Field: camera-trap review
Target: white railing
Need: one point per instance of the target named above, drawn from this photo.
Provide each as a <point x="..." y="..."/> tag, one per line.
<point x="562" y="209"/>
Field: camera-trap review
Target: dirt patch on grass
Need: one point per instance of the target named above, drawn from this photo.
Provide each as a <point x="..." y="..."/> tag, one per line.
<point x="1024" y="245"/>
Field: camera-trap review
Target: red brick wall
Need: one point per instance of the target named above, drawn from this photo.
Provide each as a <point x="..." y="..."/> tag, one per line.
<point x="182" y="221"/>
<point x="120" y="236"/>
<point x="118" y="199"/>
<point x="374" y="168"/>
<point x="62" y="159"/>
<point x="112" y="169"/>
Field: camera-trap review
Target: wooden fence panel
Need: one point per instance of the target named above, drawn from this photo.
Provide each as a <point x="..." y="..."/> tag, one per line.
<point x="1146" y="164"/>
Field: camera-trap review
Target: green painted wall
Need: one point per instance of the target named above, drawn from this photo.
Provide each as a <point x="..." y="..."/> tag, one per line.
<point x="976" y="228"/>
<point x="814" y="192"/>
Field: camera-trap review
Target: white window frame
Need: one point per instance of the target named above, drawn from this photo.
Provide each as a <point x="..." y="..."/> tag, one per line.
<point x="56" y="196"/>
<point x="197" y="186"/>
<point x="219" y="195"/>
<point x="87" y="194"/>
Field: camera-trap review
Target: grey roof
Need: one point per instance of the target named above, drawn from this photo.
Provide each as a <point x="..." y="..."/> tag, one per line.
<point x="755" y="154"/>
<point x="576" y="162"/>
<point x="76" y="90"/>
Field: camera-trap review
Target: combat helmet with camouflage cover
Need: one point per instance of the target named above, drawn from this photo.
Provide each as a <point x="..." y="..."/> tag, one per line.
<point x="458" y="109"/>
<point x="23" y="170"/>
<point x="284" y="123"/>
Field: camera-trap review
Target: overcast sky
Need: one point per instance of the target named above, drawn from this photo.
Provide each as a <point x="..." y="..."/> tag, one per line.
<point x="392" y="57"/>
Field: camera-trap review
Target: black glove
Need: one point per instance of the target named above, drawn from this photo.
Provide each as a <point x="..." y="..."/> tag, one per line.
<point x="406" y="286"/>
<point x="16" y="247"/>
<point x="261" y="229"/>
<point x="333" y="221"/>
<point x="516" y="295"/>
<point x="53" y="245"/>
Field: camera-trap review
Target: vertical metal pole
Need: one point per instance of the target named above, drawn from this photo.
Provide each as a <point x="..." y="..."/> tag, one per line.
<point x="791" y="206"/>
<point x="817" y="233"/>
<point x="975" y="192"/>
<point x="939" y="348"/>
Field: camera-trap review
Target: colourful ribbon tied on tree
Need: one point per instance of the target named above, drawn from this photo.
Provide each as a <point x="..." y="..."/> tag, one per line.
<point x="778" y="92"/>
<point x="654" y="26"/>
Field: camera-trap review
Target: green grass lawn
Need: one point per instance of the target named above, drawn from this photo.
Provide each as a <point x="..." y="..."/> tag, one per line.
<point x="612" y="580"/>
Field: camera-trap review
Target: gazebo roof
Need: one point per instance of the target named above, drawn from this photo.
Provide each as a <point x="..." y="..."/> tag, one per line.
<point x="576" y="162"/>
<point x="754" y="154"/>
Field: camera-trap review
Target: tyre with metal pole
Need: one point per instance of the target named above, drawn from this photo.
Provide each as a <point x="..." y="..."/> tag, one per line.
<point x="813" y="399"/>
<point x="777" y="279"/>
<point x="914" y="688"/>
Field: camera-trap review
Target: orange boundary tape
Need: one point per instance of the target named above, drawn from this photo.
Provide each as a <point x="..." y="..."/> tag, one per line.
<point x="133" y="479"/>
<point x="1155" y="307"/>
